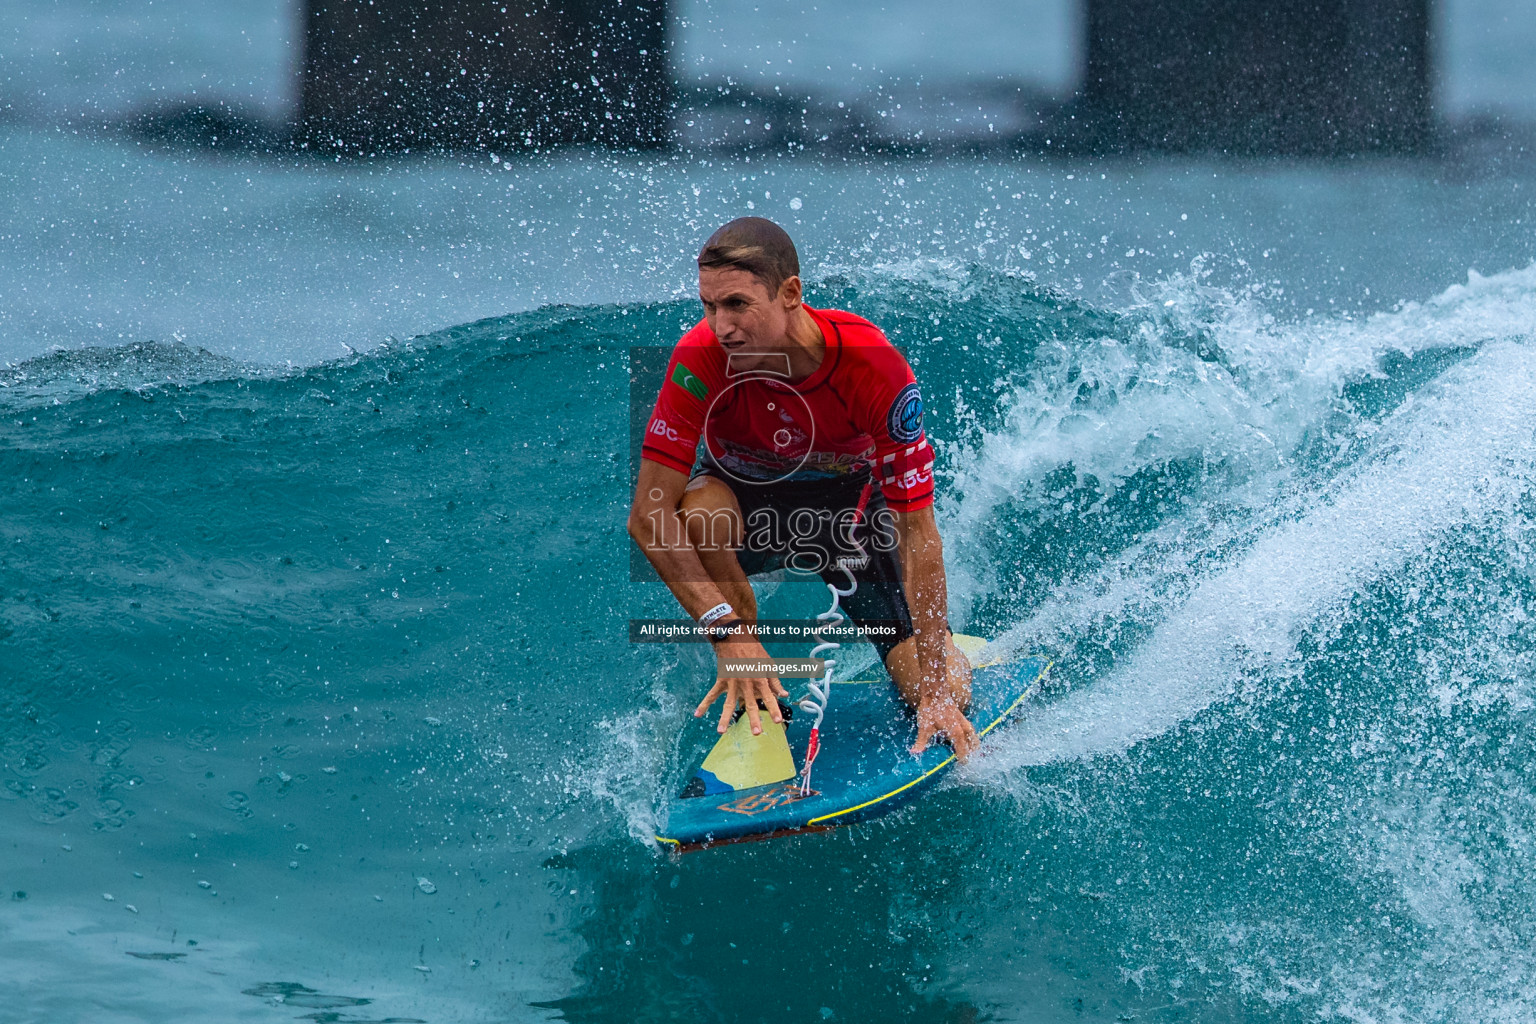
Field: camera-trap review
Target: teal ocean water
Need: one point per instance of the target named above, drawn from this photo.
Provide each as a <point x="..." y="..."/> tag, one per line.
<point x="316" y="701"/>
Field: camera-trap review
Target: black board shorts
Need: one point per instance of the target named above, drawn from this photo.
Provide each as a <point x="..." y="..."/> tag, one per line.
<point x="821" y="526"/>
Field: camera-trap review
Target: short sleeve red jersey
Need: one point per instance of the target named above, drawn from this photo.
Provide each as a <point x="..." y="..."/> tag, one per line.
<point x="860" y="412"/>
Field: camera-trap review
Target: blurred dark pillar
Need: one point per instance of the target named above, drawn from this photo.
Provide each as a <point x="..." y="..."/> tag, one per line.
<point x="394" y="75"/>
<point x="1249" y="76"/>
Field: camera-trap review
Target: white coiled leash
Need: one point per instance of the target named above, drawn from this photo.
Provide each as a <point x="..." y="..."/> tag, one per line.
<point x="815" y="702"/>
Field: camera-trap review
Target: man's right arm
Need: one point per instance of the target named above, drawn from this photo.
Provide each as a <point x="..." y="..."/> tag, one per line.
<point x="656" y="526"/>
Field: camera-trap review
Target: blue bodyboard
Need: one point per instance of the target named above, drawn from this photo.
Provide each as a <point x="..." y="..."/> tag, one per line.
<point x="865" y="767"/>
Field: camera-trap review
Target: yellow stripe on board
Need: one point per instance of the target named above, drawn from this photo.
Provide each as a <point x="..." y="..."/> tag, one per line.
<point x="1006" y="712"/>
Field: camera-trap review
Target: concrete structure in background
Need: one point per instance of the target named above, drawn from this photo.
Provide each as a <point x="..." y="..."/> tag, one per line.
<point x="399" y="75"/>
<point x="1258" y="76"/>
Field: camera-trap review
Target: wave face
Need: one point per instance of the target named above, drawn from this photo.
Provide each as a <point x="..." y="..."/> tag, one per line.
<point x="325" y="670"/>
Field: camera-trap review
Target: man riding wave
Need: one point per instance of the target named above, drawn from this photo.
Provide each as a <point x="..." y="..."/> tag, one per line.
<point x="815" y="459"/>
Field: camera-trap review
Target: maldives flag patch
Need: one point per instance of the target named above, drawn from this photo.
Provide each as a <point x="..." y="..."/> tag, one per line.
<point x="684" y="378"/>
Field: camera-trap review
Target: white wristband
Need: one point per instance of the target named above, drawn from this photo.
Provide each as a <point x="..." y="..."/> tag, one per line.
<point x="715" y="614"/>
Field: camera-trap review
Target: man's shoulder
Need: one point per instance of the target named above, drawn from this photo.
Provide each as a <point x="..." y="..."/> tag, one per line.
<point x="700" y="349"/>
<point x="697" y="336"/>
<point x="846" y="323"/>
<point x="864" y="346"/>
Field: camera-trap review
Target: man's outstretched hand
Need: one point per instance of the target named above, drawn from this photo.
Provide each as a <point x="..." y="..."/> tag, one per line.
<point x="942" y="717"/>
<point x="746" y="690"/>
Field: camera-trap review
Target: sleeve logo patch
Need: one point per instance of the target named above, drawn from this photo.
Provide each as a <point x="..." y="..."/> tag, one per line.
<point x="905" y="420"/>
<point x="660" y="428"/>
<point x="684" y="378"/>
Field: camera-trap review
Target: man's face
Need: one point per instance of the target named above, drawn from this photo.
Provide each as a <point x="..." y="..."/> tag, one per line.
<point x="742" y="313"/>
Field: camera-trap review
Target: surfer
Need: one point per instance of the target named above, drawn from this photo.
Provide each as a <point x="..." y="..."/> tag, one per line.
<point x="814" y="458"/>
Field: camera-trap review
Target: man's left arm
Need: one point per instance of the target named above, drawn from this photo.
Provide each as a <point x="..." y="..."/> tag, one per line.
<point x="939" y="664"/>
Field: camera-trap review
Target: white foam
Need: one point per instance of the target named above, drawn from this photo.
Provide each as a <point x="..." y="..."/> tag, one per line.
<point x="1451" y="453"/>
<point x="1162" y="401"/>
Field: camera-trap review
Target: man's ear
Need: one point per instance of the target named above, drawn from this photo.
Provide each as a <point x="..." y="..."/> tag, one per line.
<point x="790" y="292"/>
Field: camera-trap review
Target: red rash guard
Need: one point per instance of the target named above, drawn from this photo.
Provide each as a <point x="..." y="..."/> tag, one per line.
<point x="860" y="410"/>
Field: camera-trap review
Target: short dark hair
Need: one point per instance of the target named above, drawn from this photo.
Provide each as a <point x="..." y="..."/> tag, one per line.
<point x="756" y="245"/>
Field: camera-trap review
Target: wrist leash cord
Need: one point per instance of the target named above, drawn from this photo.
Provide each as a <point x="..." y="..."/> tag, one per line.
<point x="815" y="701"/>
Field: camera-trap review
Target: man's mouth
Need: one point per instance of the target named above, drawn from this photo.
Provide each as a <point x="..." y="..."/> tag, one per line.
<point x="732" y="346"/>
